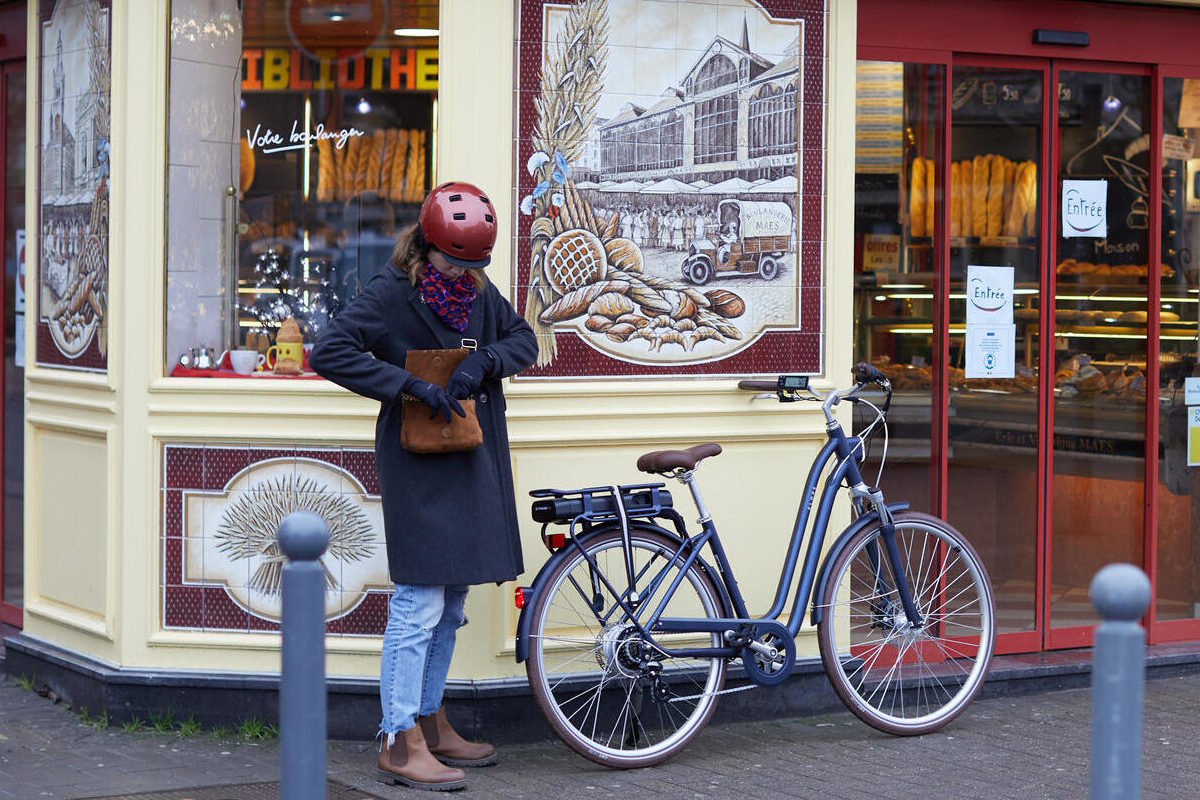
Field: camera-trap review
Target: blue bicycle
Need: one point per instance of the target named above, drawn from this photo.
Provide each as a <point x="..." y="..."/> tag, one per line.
<point x="627" y="630"/>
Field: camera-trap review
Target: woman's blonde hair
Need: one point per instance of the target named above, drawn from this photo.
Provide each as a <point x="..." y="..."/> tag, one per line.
<point x="411" y="256"/>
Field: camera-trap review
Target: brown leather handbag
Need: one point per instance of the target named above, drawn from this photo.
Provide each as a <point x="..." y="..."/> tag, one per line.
<point x="419" y="433"/>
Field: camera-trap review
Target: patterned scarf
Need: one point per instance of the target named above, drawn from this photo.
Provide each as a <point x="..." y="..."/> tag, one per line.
<point x="450" y="298"/>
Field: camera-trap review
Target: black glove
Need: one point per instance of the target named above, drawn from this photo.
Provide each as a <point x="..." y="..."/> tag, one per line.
<point x="469" y="375"/>
<point x="433" y="396"/>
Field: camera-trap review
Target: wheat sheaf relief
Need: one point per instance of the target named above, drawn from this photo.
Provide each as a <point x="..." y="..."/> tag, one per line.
<point x="250" y="523"/>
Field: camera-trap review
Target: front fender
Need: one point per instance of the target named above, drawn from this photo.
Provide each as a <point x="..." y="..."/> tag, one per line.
<point x="838" y="546"/>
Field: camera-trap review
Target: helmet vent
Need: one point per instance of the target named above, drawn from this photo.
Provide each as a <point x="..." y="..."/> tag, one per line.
<point x="454" y="198"/>
<point x="460" y="216"/>
<point x="484" y="199"/>
<point x="488" y="217"/>
<point x="457" y="246"/>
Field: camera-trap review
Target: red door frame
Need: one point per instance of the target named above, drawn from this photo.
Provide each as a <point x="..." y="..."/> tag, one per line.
<point x="12" y="60"/>
<point x="991" y="33"/>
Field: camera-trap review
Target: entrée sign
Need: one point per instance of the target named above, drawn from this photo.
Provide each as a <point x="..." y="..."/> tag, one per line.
<point x="395" y="69"/>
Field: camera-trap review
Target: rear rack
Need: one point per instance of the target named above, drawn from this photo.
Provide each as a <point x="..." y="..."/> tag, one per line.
<point x="585" y="507"/>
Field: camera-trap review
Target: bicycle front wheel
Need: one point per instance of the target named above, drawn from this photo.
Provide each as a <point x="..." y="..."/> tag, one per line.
<point x="895" y="677"/>
<point x="611" y="695"/>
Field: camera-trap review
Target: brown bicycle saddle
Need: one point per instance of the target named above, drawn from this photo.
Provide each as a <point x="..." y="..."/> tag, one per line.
<point x="668" y="460"/>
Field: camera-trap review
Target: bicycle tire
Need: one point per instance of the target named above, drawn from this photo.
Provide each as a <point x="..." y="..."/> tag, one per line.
<point x="555" y="689"/>
<point x="868" y="648"/>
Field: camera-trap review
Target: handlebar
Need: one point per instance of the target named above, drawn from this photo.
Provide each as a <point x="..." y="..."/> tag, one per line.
<point x="759" y="386"/>
<point x="787" y="387"/>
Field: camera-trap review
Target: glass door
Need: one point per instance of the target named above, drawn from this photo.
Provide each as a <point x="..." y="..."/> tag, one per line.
<point x="997" y="143"/>
<point x="1103" y="268"/>
<point x="12" y="315"/>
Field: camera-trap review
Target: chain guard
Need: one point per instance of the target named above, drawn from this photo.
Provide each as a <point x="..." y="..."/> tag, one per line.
<point x="766" y="673"/>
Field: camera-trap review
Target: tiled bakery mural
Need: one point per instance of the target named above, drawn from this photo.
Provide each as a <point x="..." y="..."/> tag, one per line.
<point x="669" y="170"/>
<point x="73" y="193"/>
<point x="222" y="568"/>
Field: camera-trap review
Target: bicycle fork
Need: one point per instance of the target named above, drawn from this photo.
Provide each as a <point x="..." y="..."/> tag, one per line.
<point x="887" y="525"/>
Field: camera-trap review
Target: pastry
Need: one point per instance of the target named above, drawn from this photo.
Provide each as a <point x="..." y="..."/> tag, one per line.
<point x="1090" y="380"/>
<point x="577" y="301"/>
<point x="979" y="198"/>
<point x="1168" y="316"/>
<point x="967" y="189"/>
<point x="573" y="259"/>
<point x="1139" y="317"/>
<point x="995" y="198"/>
<point x="930" y="194"/>
<point x="624" y="254"/>
<point x="956" y="200"/>
<point x="611" y="305"/>
<point x="726" y="303"/>
<point x="598" y="324"/>
<point x="916" y="199"/>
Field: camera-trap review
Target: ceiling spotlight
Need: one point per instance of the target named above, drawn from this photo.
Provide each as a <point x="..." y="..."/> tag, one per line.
<point x="363" y="106"/>
<point x="415" y="32"/>
<point x="336" y="16"/>
<point x="1112" y="104"/>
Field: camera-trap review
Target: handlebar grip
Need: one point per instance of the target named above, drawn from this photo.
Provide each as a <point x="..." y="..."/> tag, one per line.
<point x="865" y="373"/>
<point x="758" y="386"/>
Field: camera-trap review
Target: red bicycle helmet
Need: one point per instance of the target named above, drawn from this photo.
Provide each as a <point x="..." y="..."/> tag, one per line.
<point x="458" y="219"/>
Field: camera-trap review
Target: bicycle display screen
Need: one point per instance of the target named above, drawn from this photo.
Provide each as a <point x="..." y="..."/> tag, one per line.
<point x="793" y="383"/>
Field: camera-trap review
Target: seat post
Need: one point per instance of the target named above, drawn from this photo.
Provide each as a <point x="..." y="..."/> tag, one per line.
<point x="688" y="477"/>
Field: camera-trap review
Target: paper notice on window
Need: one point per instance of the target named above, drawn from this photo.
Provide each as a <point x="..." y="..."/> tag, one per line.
<point x="1177" y="148"/>
<point x="881" y="252"/>
<point x="1193" y="443"/>
<point x="1189" y="104"/>
<point x="989" y="295"/>
<point x="991" y="351"/>
<point x="1085" y="209"/>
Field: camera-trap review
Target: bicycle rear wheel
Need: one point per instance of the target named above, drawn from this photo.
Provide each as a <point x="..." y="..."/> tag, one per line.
<point x="896" y="678"/>
<point x="587" y="664"/>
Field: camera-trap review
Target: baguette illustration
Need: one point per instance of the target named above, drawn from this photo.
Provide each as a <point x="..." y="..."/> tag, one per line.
<point x="916" y="199"/>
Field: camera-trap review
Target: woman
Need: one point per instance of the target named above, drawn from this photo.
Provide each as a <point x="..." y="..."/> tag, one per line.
<point x="450" y="519"/>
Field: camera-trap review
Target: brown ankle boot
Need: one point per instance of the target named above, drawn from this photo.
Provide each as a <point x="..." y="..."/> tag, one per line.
<point x="408" y="762"/>
<point x="450" y="748"/>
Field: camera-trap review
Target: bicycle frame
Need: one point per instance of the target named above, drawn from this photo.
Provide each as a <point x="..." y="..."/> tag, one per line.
<point x="840" y="447"/>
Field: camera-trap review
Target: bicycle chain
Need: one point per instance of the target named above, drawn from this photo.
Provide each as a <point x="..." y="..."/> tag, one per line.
<point x="714" y="694"/>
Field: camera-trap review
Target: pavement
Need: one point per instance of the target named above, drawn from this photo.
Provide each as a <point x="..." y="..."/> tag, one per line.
<point x="1023" y="748"/>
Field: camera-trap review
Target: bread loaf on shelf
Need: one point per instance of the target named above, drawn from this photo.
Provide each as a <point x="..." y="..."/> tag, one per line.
<point x="1029" y="187"/>
<point x="979" y="200"/>
<point x="956" y="200"/>
<point x="1010" y="174"/>
<point x="916" y="199"/>
<point x="324" y="171"/>
<point x="930" y="194"/>
<point x="967" y="168"/>
<point x="995" y="199"/>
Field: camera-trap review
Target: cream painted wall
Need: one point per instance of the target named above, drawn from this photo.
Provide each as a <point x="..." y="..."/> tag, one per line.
<point x="564" y="433"/>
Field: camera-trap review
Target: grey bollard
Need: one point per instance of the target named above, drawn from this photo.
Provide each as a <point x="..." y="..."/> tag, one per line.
<point x="303" y="537"/>
<point x="1121" y="594"/>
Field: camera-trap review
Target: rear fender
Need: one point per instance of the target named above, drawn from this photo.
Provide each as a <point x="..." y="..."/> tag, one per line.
<point x="525" y="619"/>
<point x="838" y="546"/>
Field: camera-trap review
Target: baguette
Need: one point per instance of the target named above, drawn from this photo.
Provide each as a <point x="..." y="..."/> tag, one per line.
<point x="1010" y="174"/>
<point x="979" y="198"/>
<point x="375" y="161"/>
<point x="930" y="194"/>
<point x="956" y="200"/>
<point x="967" y="181"/>
<point x="324" y="171"/>
<point x="995" y="201"/>
<point x="353" y="157"/>
<point x="916" y="199"/>
<point x="399" y="162"/>
<point x="1014" y="220"/>
<point x="339" y="173"/>
<point x="1029" y="186"/>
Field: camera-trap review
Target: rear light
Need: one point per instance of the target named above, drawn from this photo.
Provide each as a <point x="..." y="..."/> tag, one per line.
<point x="556" y="541"/>
<point x="519" y="597"/>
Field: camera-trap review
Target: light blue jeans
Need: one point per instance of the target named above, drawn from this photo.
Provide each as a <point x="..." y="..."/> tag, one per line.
<point x="423" y="622"/>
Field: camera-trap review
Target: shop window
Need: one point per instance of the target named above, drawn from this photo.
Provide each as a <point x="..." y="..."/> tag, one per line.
<point x="717" y="72"/>
<point x="301" y="139"/>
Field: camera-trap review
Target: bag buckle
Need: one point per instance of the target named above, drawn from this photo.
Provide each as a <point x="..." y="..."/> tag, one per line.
<point x="470" y="344"/>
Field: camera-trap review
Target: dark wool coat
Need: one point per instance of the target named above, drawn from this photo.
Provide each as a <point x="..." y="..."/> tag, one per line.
<point x="449" y="518"/>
